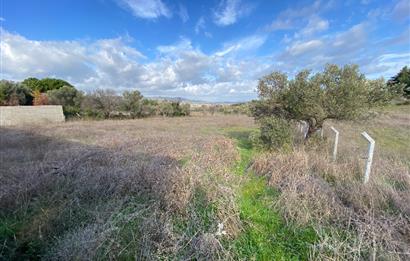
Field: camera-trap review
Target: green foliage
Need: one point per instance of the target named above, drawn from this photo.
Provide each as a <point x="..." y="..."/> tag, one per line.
<point x="274" y="134"/>
<point x="133" y="102"/>
<point x="12" y="94"/>
<point x="172" y="109"/>
<point x="46" y="84"/>
<point x="149" y="107"/>
<point x="403" y="80"/>
<point x="69" y="97"/>
<point x="341" y="93"/>
<point x="381" y="93"/>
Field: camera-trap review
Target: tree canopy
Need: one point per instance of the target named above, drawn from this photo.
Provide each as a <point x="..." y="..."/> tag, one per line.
<point x="46" y="84"/>
<point x="336" y="93"/>
<point x="12" y="93"/>
<point x="403" y="79"/>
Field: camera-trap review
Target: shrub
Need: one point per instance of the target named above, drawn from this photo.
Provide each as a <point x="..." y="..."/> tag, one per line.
<point x="101" y="104"/>
<point x="13" y="94"/>
<point x="132" y="102"/>
<point x="274" y="134"/>
<point x="185" y="109"/>
<point x="149" y="107"/>
<point x="172" y="109"/>
<point x="39" y="98"/>
<point x="67" y="96"/>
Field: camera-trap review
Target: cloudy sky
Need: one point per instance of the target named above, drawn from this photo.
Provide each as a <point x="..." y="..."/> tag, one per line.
<point x="212" y="50"/>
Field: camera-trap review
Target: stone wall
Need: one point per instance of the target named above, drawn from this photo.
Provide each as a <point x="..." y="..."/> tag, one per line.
<point x="19" y="115"/>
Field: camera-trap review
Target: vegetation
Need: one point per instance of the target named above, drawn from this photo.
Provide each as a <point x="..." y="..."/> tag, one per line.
<point x="99" y="104"/>
<point x="197" y="188"/>
<point x="67" y="96"/>
<point x="168" y="189"/>
<point x="45" y="85"/>
<point x="403" y="80"/>
<point x="336" y="93"/>
<point x="13" y="94"/>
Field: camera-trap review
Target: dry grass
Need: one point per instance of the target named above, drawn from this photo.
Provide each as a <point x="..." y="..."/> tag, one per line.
<point x="353" y="220"/>
<point x="155" y="189"/>
<point x="118" y="189"/>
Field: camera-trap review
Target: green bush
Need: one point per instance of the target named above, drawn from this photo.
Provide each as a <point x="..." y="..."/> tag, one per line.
<point x="274" y="134"/>
<point x="12" y="94"/>
<point x="69" y="97"/>
<point x="173" y="109"/>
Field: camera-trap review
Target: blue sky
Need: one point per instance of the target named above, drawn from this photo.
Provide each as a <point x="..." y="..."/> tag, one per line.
<point x="212" y="50"/>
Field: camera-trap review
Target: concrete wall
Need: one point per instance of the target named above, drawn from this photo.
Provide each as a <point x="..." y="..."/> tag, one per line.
<point x="19" y="115"/>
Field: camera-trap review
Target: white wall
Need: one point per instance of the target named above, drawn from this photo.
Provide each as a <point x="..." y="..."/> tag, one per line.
<point x="19" y="115"/>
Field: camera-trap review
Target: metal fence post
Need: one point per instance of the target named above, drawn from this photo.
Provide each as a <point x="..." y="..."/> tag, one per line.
<point x="369" y="156"/>
<point x="336" y="142"/>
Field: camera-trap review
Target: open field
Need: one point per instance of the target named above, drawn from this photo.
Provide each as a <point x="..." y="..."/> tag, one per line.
<point x="195" y="188"/>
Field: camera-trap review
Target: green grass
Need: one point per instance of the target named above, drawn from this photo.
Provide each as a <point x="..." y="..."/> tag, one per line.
<point x="266" y="236"/>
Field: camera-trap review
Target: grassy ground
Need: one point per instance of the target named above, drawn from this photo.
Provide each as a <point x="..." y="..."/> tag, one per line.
<point x="265" y="235"/>
<point x="194" y="188"/>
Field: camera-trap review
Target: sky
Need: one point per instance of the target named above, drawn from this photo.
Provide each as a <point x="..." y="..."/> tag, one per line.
<point x="213" y="50"/>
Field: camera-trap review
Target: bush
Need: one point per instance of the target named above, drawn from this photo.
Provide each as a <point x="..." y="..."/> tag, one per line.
<point x="39" y="98"/>
<point x="172" y="109"/>
<point x="101" y="104"/>
<point x="132" y="103"/>
<point x="67" y="96"/>
<point x="274" y="134"/>
<point x="149" y="107"/>
<point x="13" y="94"/>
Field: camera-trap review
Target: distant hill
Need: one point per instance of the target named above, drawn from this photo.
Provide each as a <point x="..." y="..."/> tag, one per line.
<point x="180" y="99"/>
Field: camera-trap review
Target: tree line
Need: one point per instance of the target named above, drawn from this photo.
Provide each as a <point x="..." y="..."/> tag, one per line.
<point x="101" y="104"/>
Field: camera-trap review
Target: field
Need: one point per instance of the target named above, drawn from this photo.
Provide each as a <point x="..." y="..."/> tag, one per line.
<point x="194" y="188"/>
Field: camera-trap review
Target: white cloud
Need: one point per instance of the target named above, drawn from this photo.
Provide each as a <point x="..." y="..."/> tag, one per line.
<point x="178" y="70"/>
<point x="229" y="11"/>
<point x="2" y="19"/>
<point x="352" y="46"/>
<point x="305" y="47"/>
<point x="292" y="18"/>
<point x="401" y="11"/>
<point x="183" y="13"/>
<point x="281" y="24"/>
<point x="315" y="25"/>
<point x="249" y="43"/>
<point x="389" y="64"/>
<point x="148" y="9"/>
<point x="200" y="25"/>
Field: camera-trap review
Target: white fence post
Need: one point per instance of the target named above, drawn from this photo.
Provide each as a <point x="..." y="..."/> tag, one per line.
<point x="336" y="142"/>
<point x="369" y="156"/>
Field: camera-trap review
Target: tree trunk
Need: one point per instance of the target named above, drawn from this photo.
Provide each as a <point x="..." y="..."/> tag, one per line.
<point x="313" y="127"/>
<point x="311" y="130"/>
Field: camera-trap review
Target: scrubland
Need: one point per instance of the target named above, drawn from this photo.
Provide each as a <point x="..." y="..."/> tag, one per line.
<point x="195" y="188"/>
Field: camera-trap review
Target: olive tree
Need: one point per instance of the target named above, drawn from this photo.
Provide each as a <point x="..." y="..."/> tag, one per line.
<point x="12" y="94"/>
<point x="340" y="93"/>
<point x="132" y="102"/>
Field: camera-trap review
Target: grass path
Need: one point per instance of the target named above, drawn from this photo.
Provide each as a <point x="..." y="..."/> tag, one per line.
<point x="266" y="235"/>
